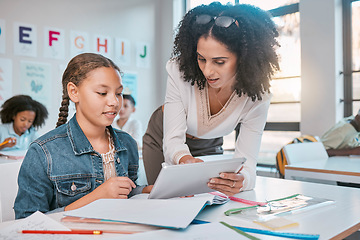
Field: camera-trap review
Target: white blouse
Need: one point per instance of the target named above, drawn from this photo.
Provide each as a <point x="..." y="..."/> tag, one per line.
<point x="187" y="110"/>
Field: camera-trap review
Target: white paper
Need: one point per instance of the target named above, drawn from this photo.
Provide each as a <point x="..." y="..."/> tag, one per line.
<point x="143" y="55"/>
<point x="122" y="52"/>
<point x="25" y="39"/>
<point x="6" y="78"/>
<point x="17" y="154"/>
<point x="79" y="43"/>
<point x="2" y="36"/>
<point x="209" y="198"/>
<point x="54" y="43"/>
<point x="210" y="231"/>
<point x="172" y="213"/>
<point x="37" y="221"/>
<point x="103" y="45"/>
<point x="34" y="80"/>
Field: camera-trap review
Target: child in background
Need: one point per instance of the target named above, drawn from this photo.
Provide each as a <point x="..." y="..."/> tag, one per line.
<point x="20" y="115"/>
<point x="342" y="139"/>
<point x="84" y="159"/>
<point x="126" y="122"/>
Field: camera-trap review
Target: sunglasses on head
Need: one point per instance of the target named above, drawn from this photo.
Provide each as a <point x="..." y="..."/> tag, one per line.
<point x="221" y="21"/>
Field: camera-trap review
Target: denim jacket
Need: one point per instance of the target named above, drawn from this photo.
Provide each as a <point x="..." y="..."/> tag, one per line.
<point x="61" y="166"/>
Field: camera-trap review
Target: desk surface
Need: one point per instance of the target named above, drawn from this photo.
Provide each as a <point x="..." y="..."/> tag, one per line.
<point x="334" y="221"/>
<point x="350" y="165"/>
<point x="4" y="160"/>
<point x="345" y="169"/>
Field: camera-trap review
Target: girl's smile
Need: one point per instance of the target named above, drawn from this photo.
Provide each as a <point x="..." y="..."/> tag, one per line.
<point x="98" y="98"/>
<point x="110" y="114"/>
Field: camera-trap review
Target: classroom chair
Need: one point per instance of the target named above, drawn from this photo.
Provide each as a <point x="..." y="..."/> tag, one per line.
<point x="281" y="160"/>
<point x="311" y="151"/>
<point x="8" y="189"/>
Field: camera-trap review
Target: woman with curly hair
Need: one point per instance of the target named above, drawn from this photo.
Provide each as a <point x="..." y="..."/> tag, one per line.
<point x="223" y="60"/>
<point x="20" y="115"/>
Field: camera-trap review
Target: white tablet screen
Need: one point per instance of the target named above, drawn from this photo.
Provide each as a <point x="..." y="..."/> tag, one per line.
<point x="188" y="179"/>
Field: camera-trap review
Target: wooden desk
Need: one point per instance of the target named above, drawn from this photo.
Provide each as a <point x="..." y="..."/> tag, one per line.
<point x="343" y="169"/>
<point x="334" y="221"/>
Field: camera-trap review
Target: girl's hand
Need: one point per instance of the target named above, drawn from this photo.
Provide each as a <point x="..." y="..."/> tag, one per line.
<point x="189" y="159"/>
<point x="9" y="142"/>
<point x="227" y="183"/>
<point x="115" y="187"/>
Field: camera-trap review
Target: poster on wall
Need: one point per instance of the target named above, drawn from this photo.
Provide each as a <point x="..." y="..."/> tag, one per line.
<point x="142" y="55"/>
<point x="5" y="79"/>
<point x="122" y="52"/>
<point x="79" y="43"/>
<point x="103" y="45"/>
<point x="54" y="43"/>
<point x="2" y="36"/>
<point x="25" y="40"/>
<point x="129" y="81"/>
<point x="35" y="79"/>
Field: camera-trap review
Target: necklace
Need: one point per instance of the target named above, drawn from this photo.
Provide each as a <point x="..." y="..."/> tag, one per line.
<point x="219" y="100"/>
<point x="108" y="159"/>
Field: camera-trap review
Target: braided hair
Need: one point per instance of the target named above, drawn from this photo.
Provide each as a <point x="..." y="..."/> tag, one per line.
<point x="252" y="38"/>
<point x="75" y="72"/>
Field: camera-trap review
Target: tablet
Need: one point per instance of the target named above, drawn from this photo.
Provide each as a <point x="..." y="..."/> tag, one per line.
<point x="189" y="179"/>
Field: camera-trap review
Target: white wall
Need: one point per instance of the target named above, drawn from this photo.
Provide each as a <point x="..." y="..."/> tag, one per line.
<point x="152" y="21"/>
<point x="136" y="20"/>
<point x="321" y="63"/>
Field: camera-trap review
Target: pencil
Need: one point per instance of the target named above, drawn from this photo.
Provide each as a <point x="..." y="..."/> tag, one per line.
<point x="236" y="199"/>
<point x="5" y="142"/>
<point x="94" y="232"/>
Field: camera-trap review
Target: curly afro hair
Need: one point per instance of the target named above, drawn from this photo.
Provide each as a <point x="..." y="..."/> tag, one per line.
<point x="252" y="38"/>
<point x="20" y="103"/>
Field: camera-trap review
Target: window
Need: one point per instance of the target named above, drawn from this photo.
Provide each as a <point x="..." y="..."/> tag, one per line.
<point x="284" y="112"/>
<point x="351" y="13"/>
<point x="356" y="55"/>
<point x="263" y="4"/>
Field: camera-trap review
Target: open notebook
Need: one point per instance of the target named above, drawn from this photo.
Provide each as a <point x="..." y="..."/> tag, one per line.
<point x="169" y="213"/>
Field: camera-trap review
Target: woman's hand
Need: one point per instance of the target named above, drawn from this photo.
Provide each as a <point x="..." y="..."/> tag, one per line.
<point x="189" y="159"/>
<point x="227" y="183"/>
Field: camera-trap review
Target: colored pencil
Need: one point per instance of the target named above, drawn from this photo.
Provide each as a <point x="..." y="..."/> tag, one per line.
<point x="94" y="232"/>
<point x="5" y="142"/>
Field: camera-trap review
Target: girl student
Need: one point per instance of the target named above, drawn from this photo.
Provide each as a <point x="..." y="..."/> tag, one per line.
<point x="223" y="59"/>
<point x="20" y="116"/>
<point x="84" y="159"/>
